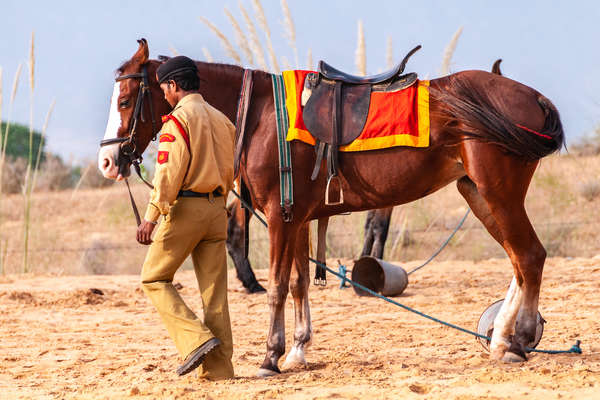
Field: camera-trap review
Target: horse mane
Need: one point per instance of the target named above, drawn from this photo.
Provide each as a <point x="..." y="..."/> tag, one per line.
<point x="474" y="113"/>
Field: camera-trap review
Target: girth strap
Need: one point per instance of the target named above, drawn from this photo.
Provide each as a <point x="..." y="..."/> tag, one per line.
<point x="285" y="156"/>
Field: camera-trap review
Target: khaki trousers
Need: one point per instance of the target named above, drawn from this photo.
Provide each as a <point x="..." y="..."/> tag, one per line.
<point x="198" y="227"/>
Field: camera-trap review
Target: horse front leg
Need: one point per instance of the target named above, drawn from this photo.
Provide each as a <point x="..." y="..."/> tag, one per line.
<point x="282" y="236"/>
<point x="299" y="284"/>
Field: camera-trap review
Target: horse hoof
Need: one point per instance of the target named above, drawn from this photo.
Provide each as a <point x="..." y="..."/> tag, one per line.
<point x="510" y="357"/>
<point x="294" y="359"/>
<point x="256" y="288"/>
<point x="265" y="373"/>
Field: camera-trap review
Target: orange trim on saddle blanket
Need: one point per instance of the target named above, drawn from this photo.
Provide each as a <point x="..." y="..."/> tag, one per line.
<point x="395" y="119"/>
<point x="166" y="137"/>
<point x="162" y="157"/>
<point x="182" y="131"/>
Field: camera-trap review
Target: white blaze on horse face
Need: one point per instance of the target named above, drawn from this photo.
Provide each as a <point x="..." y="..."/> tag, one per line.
<point x="107" y="158"/>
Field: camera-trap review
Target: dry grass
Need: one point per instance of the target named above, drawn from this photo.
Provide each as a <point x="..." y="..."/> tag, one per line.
<point x="259" y="13"/>
<point x="290" y="29"/>
<point x="93" y="231"/>
<point x="361" y="51"/>
<point x="240" y="37"/>
<point x="449" y="52"/>
<point x="255" y="46"/>
<point x="224" y="41"/>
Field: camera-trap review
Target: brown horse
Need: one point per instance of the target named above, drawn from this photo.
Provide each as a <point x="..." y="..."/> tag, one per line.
<point x="487" y="132"/>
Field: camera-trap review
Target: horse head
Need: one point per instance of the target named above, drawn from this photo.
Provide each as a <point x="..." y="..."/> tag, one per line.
<point x="137" y="103"/>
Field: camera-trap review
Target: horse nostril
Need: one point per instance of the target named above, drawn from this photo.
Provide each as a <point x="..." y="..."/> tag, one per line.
<point x="106" y="163"/>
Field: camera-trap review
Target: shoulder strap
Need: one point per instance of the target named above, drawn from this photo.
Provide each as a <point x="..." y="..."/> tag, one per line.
<point x="180" y="127"/>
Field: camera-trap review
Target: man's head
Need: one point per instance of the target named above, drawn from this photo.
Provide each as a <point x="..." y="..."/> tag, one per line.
<point x="177" y="77"/>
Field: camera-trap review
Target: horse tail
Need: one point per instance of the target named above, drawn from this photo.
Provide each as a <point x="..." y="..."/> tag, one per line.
<point x="475" y="114"/>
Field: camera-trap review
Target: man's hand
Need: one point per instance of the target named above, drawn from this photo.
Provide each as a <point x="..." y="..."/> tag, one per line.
<point x="144" y="232"/>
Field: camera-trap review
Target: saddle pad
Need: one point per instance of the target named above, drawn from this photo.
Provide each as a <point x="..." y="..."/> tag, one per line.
<point x="395" y="119"/>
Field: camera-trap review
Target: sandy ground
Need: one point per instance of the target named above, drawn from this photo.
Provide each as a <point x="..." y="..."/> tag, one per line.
<point x="61" y="340"/>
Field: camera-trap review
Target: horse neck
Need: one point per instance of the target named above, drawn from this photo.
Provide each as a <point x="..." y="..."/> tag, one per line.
<point x="220" y="86"/>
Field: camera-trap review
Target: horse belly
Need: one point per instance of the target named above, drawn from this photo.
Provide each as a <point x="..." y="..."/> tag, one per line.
<point x="382" y="178"/>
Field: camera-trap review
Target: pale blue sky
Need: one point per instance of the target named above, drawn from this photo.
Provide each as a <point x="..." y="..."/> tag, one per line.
<point x="551" y="46"/>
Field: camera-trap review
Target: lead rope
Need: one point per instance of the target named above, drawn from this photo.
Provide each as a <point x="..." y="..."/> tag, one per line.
<point x="575" y="349"/>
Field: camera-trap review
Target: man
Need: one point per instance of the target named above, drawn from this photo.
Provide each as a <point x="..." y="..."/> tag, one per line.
<point x="194" y="173"/>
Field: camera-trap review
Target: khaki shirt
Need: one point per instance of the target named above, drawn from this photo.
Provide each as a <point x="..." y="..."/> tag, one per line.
<point x="195" y="152"/>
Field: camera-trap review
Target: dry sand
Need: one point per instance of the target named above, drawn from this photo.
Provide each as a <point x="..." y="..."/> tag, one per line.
<point x="60" y="340"/>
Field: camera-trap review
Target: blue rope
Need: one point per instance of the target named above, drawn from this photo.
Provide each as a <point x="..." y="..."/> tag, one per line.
<point x="574" y="349"/>
<point x="460" y="224"/>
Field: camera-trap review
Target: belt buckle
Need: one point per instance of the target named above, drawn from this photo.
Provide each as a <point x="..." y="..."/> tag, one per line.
<point x="211" y="197"/>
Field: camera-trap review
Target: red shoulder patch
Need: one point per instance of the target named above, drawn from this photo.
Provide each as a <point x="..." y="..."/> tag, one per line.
<point x="163" y="157"/>
<point x="164" y="118"/>
<point x="166" y="137"/>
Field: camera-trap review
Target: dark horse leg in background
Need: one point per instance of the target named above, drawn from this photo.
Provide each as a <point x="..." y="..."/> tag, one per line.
<point x="235" y="248"/>
<point x="377" y="224"/>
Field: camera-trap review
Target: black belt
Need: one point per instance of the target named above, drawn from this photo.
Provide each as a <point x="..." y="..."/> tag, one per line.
<point x="189" y="193"/>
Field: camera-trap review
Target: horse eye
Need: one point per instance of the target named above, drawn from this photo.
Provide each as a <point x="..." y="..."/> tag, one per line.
<point x="124" y="104"/>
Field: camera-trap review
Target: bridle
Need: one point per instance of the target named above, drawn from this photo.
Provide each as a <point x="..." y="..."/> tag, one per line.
<point x="128" y="150"/>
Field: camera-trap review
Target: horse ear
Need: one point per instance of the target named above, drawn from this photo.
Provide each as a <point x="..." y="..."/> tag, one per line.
<point x="142" y="54"/>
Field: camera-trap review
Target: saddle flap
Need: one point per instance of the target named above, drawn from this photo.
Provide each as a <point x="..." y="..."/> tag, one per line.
<point x="318" y="113"/>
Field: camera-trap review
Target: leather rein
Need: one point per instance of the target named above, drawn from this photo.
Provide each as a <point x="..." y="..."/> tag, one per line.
<point x="128" y="148"/>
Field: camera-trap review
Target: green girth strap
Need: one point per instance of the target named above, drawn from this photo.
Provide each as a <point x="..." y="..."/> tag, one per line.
<point x="285" y="157"/>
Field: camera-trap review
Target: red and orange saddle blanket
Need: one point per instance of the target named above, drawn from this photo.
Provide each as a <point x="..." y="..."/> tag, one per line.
<point x="395" y="118"/>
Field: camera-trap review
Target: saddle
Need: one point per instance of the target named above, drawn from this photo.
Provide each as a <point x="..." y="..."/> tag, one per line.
<point x="337" y="109"/>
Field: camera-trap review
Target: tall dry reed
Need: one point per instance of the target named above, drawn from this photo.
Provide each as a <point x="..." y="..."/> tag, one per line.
<point x="240" y="37"/>
<point x="259" y="12"/>
<point x="255" y="46"/>
<point x="361" y="51"/>
<point x="389" y="53"/>
<point x="207" y="55"/>
<point x="224" y="41"/>
<point x="290" y="29"/>
<point x="28" y="187"/>
<point x="309" y="60"/>
<point x="173" y="50"/>
<point x="3" y="144"/>
<point x="43" y="137"/>
<point x="285" y="63"/>
<point x="449" y="52"/>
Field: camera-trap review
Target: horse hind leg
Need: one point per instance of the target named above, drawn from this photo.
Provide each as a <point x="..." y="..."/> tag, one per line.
<point x="502" y="211"/>
<point x="299" y="284"/>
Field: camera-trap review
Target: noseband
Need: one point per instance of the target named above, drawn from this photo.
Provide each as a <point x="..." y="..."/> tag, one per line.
<point x="128" y="148"/>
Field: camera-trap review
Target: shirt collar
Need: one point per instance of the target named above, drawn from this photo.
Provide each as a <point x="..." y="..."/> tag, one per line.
<point x="193" y="97"/>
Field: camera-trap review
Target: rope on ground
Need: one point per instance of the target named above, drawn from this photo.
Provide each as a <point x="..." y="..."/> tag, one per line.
<point x="575" y="349"/>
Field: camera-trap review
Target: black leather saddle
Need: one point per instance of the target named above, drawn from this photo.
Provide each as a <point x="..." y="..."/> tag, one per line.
<point x="337" y="108"/>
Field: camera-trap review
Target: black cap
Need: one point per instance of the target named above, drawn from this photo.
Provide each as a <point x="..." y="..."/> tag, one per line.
<point x="175" y="65"/>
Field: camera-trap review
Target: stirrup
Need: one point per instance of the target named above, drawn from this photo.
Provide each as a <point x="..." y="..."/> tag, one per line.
<point x="341" y="201"/>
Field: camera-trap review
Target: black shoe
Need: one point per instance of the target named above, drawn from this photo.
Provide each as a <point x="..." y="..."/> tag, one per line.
<point x="196" y="357"/>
